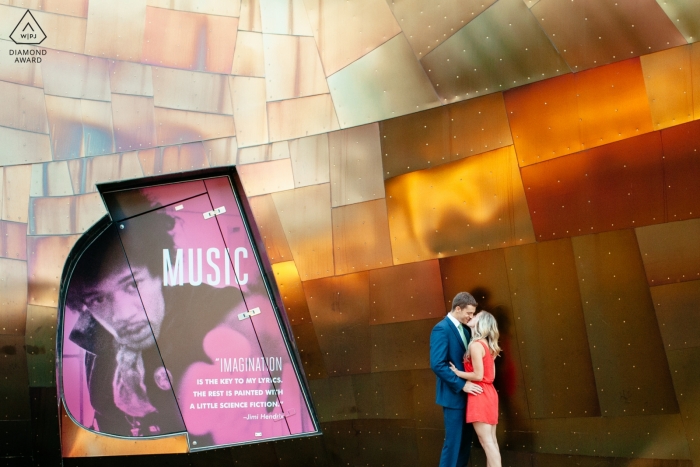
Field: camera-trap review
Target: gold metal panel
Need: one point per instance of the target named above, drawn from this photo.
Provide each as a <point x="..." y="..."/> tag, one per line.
<point x="502" y="48"/>
<point x="13" y="240"/>
<point x="181" y="126"/>
<point x="62" y="215"/>
<point x="292" y="67"/>
<point x="305" y="214"/>
<point x="304" y="116"/>
<point x="593" y="33"/>
<point x="40" y="342"/>
<point x="266" y="152"/>
<point x="310" y="160"/>
<point x="85" y="173"/>
<point x="676" y="308"/>
<point x="421" y="297"/>
<point x="62" y="32"/>
<point x="429" y="24"/>
<point x="28" y="74"/>
<point x="211" y="7"/>
<point x="51" y="179"/>
<point x="249" y="110"/>
<point x="361" y="237"/>
<point x="334" y="398"/>
<point x="191" y="41"/>
<point x="248" y="58"/>
<point x="466" y="206"/>
<point x="345" y="31"/>
<point x="386" y="395"/>
<point x="172" y="159"/>
<point x="695" y="64"/>
<point x="77" y="76"/>
<point x="292" y="292"/>
<point x="309" y="351"/>
<point x="16" y="188"/>
<point x="14" y="391"/>
<point x="221" y="152"/>
<point x="116" y="29"/>
<point x="670" y="252"/>
<point x="23" y="147"/>
<point x="130" y="78"/>
<point x="387" y="82"/>
<point x="623" y="331"/>
<point x="134" y="122"/>
<point x="46" y="257"/>
<point x="401" y="346"/>
<point x="551" y="330"/>
<point x="23" y="108"/>
<point x="266" y="177"/>
<point x="356" y="165"/>
<point x="684" y="365"/>
<point x="339" y="309"/>
<point x="190" y="90"/>
<point x="13" y="297"/>
<point x="681" y="169"/>
<point x="668" y="81"/>
<point x="284" y="17"/>
<point x="270" y="228"/>
<point x="250" y="16"/>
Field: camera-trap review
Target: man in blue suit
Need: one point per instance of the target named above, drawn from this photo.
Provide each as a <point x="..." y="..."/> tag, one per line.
<point x="448" y="343"/>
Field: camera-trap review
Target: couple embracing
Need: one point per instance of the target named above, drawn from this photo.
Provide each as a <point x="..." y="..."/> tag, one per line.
<point x="463" y="347"/>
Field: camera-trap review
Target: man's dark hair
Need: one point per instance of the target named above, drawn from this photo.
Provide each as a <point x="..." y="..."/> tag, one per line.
<point x="463" y="299"/>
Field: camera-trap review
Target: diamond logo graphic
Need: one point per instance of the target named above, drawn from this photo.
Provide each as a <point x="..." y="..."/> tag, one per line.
<point x="28" y="31"/>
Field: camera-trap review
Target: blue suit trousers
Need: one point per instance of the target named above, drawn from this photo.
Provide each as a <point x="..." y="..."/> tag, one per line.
<point x="458" y="438"/>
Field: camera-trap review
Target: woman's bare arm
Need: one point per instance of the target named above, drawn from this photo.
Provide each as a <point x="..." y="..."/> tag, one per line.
<point x="476" y="353"/>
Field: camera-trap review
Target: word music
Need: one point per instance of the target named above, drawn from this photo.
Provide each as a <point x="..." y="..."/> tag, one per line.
<point x="174" y="274"/>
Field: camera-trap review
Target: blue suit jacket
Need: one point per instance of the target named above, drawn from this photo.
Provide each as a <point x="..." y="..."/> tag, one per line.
<point x="446" y="346"/>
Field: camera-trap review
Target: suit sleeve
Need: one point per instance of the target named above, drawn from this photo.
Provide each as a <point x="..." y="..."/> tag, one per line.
<point x="439" y="360"/>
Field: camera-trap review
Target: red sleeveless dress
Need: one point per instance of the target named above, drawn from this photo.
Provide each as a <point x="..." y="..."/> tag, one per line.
<point x="484" y="407"/>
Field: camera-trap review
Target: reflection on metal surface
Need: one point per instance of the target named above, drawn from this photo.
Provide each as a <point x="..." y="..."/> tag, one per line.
<point x="85" y="173"/>
<point x="386" y="395"/>
<point x="30" y="100"/>
<point x="686" y="379"/>
<point x="134" y="124"/>
<point x="249" y="110"/>
<point x="221" y="152"/>
<point x="310" y="352"/>
<point x="597" y="32"/>
<point x="292" y="292"/>
<point x="51" y="179"/>
<point x="387" y="82"/>
<point x="22" y="147"/>
<point x="13" y="240"/>
<point x="62" y="215"/>
<point x="284" y="17"/>
<point x="16" y="187"/>
<point x="361" y="237"/>
<point x="355" y="163"/>
<point x="670" y="252"/>
<point x="266" y="177"/>
<point x="98" y="137"/>
<point x="171" y="159"/>
<point x="270" y="228"/>
<point x="305" y="214"/>
<point x="65" y="119"/>
<point x="310" y="160"/>
<point x="40" y="342"/>
<point x="502" y="48"/>
<point x="250" y="16"/>
<point x="248" y="58"/>
<point x="59" y="76"/>
<point x="13" y="304"/>
<point x="116" y="29"/>
<point x="179" y="126"/>
<point x="346" y="31"/>
<point x="669" y="86"/>
<point x="15" y="388"/>
<point x="190" y="90"/>
<point x="401" y="346"/>
<point x="292" y="67"/>
<point x="335" y="398"/>
<point x="305" y="116"/>
<point x="551" y="330"/>
<point x="46" y="256"/>
<point x="466" y="206"/>
<point x="212" y="7"/>
<point x="684" y="16"/>
<point x="266" y="152"/>
<point x="676" y="312"/>
<point x="681" y="171"/>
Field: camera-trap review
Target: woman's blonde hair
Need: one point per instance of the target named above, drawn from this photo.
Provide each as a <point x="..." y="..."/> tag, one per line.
<point x="486" y="328"/>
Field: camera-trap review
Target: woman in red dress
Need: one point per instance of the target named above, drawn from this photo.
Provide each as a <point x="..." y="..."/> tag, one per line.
<point x="482" y="409"/>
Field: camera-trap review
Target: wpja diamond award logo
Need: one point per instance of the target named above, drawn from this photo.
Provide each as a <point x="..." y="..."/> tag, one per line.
<point x="28" y="32"/>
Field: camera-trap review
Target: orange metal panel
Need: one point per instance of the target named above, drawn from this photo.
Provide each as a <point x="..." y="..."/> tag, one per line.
<point x="695" y="64"/>
<point x="686" y="379"/>
<point x="310" y="351"/>
<point x="681" y="170"/>
<point x="292" y="292"/>
<point x="292" y="67"/>
<point x="15" y="197"/>
<point x="401" y="346"/>
<point x="60" y="68"/>
<point x="29" y="74"/>
<point x="171" y="159"/>
<point x="180" y="126"/>
<point x="612" y="187"/>
<point x="45" y="259"/>
<point x="248" y="58"/>
<point x="288" y="17"/>
<point x="250" y="16"/>
<point x="266" y="152"/>
<point x="85" y="173"/>
<point x="62" y="215"/>
<point x="270" y="228"/>
<point x="670" y="252"/>
<point x="221" y="152"/>
<point x="13" y="240"/>
<point x="668" y="80"/>
<point x="266" y="177"/>
<point x="249" y="110"/>
<point x="134" y="124"/>
<point x="310" y="160"/>
<point x="130" y="78"/>
<point x="305" y="116"/>
<point x="676" y="308"/>
<point x="13" y="293"/>
<point x="116" y="29"/>
<point x="190" y="90"/>
<point x="51" y="179"/>
<point x="24" y="108"/>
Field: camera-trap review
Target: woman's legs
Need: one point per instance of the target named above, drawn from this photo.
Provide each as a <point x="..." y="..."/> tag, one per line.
<point x="487" y="438"/>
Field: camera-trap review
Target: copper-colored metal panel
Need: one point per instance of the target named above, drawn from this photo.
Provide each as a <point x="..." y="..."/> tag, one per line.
<point x="593" y="33"/>
<point x="695" y="64"/>
<point x="248" y="58"/>
<point x="221" y="152"/>
<point x="98" y="136"/>
<point x="284" y="17"/>
<point x="130" y="78"/>
<point x="427" y="413"/>
<point x="345" y="31"/>
<point x="249" y="110"/>
<point x="116" y="29"/>
<point x="292" y="292"/>
<point x="551" y="330"/>
<point x="401" y="346"/>
<point x="134" y="124"/>
<point x="191" y="41"/>
<point x="681" y="171"/>
<point x="612" y="187"/>
<point x="190" y="90"/>
<point x="339" y="309"/>
<point x="484" y="275"/>
<point x="422" y="298"/>
<point x="76" y="441"/>
<point x="66" y="123"/>
<point x="15" y="388"/>
<point x="51" y="179"/>
<point x="502" y="48"/>
<point x="60" y="69"/>
<point x="13" y="240"/>
<point x="250" y="16"/>
<point x="46" y="257"/>
<point x="356" y="165"/>
<point x="180" y="126"/>
<point x="29" y="74"/>
<point x="305" y="116"/>
<point x="16" y="188"/>
<point x="40" y="342"/>
<point x="266" y="152"/>
<point x="310" y="160"/>
<point x="669" y="86"/>
<point x="676" y="308"/>
<point x="62" y="32"/>
<point x="567" y="460"/>
<point x="292" y="67"/>
<point x="469" y="205"/>
<point x="23" y="147"/>
<point x="670" y="252"/>
<point x="266" y="177"/>
<point x="171" y="159"/>
<point x="62" y="215"/>
<point x="24" y="108"/>
<point x="386" y="395"/>
<point x="211" y="7"/>
<point x="270" y="228"/>
<point x="334" y="398"/>
<point x="13" y="290"/>
<point x="85" y="173"/>
<point x="387" y="82"/>
<point x="427" y="24"/>
<point x="622" y="328"/>
<point x="684" y="365"/>
<point x="305" y="214"/>
<point x="361" y="237"/>
<point x="309" y="351"/>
